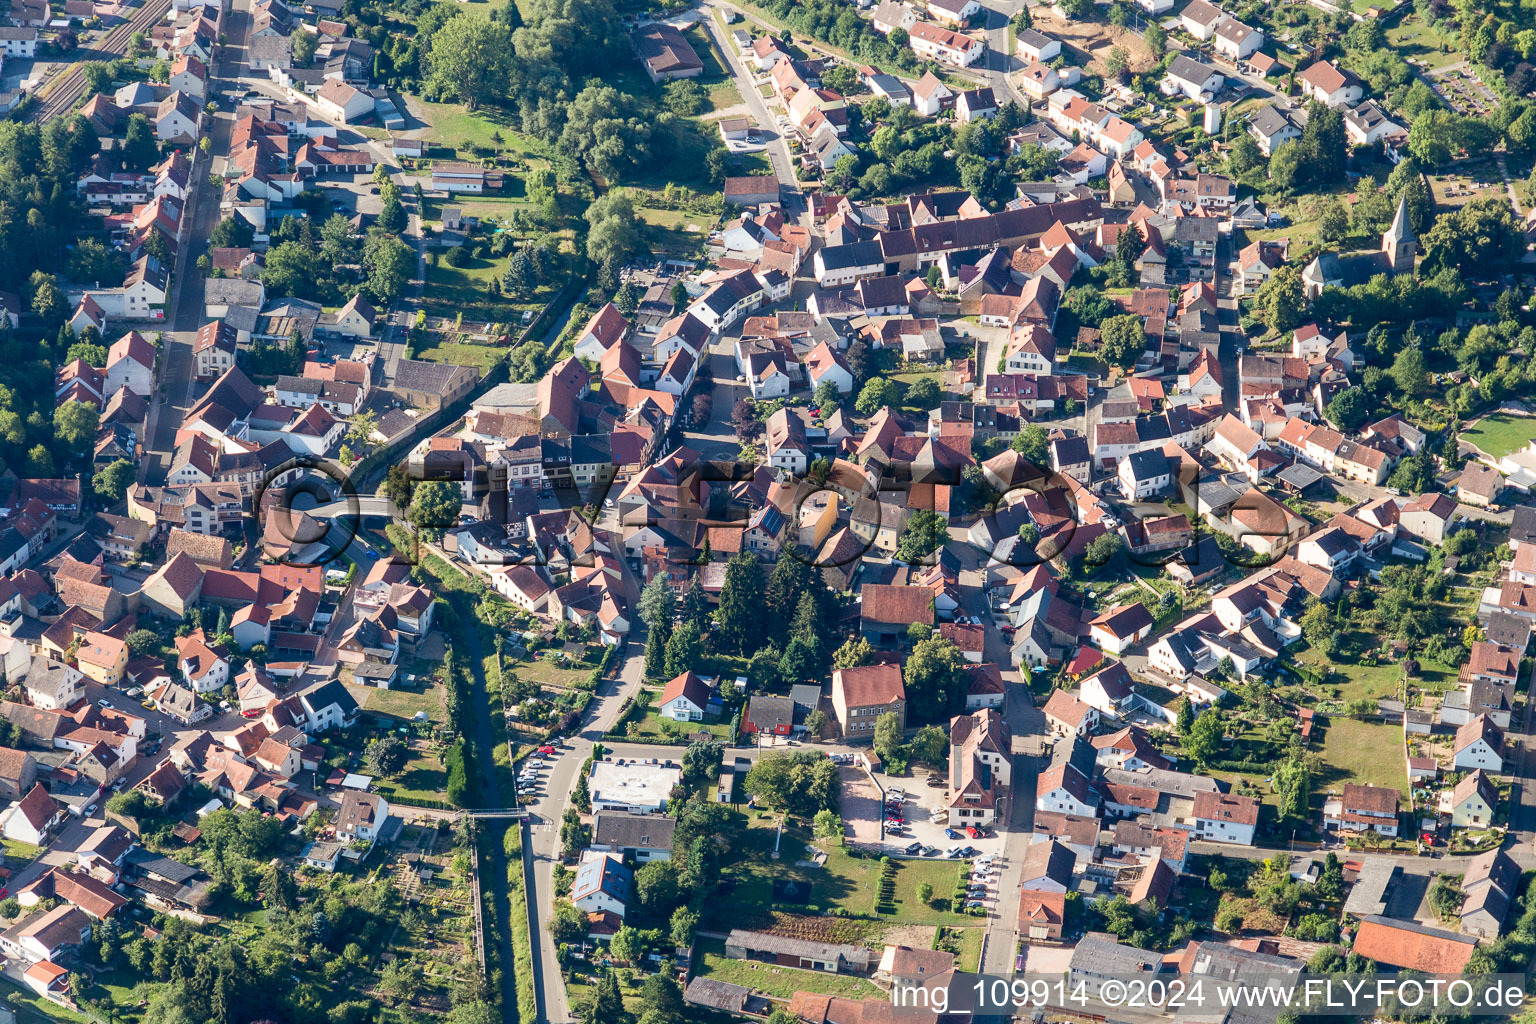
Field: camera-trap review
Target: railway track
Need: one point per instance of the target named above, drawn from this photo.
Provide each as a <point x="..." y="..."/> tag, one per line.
<point x="62" y="91"/>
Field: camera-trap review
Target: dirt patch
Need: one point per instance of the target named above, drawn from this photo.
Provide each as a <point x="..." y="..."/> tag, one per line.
<point x="1092" y="40"/>
<point x="914" y="936"/>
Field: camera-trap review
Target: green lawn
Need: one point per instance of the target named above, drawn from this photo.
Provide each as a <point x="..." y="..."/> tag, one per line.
<point x="452" y="126"/>
<point x="1364" y="753"/>
<point x="550" y="672"/>
<point x="482" y="357"/>
<point x="677" y="231"/>
<point x="15" y="849"/>
<point x="1500" y="434"/>
<point x="403" y="704"/>
<point x="653" y="725"/>
<point x="772" y="980"/>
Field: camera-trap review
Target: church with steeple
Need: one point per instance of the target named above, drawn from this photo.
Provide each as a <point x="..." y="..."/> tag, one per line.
<point x="1399" y="247"/>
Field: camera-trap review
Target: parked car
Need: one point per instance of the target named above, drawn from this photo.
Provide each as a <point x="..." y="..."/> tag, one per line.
<point x="930" y="851"/>
<point x="973" y="904"/>
<point x="973" y="831"/>
<point x="104" y="703"/>
<point x="950" y="833"/>
<point x="914" y="849"/>
<point x="546" y="750"/>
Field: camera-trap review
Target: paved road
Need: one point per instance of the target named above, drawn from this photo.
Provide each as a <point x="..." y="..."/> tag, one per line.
<point x="177" y="391"/>
<point x="603" y="711"/>
<point x="778" y="151"/>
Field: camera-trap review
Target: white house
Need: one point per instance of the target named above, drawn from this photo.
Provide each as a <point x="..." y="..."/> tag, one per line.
<point x="1037" y="46"/>
<point x="361" y="818"/>
<point x="341" y="103"/>
<point x="1330" y="85"/>
<point x="1189" y="77"/>
<point x="1225" y="818"/>
<point x="944" y="45"/>
<point x="685" y="698"/>
<point x="1479" y="744"/>
<point x="30" y="818"/>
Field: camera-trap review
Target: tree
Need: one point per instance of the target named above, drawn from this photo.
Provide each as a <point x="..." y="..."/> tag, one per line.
<point x="878" y="393"/>
<point x="929" y="744"/>
<point x="1156" y="38"/>
<point x="888" y="735"/>
<point x="679" y="295"/>
<point x="924" y="893"/>
<point x="684" y="647"/>
<point x="389" y="263"/>
<point x="828" y="398"/>
<point x="738" y="616"/>
<point x="141" y="642"/>
<point x="1483" y="233"/>
<point x="923" y="394"/>
<point x="47" y="299"/>
<point x="1318" y="626"/>
<point x="1124" y="340"/>
<point x="74" y="424"/>
<point x="435" y="506"/>
<point x="1034" y="444"/>
<point x="1280" y="299"/>
<point x="684" y="97"/>
<point x="1349" y="409"/>
<point x="685" y="921"/>
<point x="140" y="148"/>
<point x="657" y="602"/>
<point x="613" y="234"/>
<point x="936" y="680"/>
<point x="1204" y="739"/>
<point x="386" y="755"/>
<point x="112" y="481"/>
<point x="662" y="999"/>
<point x="470" y="59"/>
<point x="827" y="825"/>
<point x="1409" y="372"/>
<point x="1333" y="221"/>
<point x="855" y="652"/>
<point x="1446" y="897"/>
<point x="1184" y="717"/>
<point x="607" y="1004"/>
<point x="926" y="532"/>
<point x="1293" y="782"/>
<point x="304" y="44"/>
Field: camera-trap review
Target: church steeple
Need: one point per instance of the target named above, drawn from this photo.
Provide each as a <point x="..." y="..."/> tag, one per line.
<point x="1399" y="243"/>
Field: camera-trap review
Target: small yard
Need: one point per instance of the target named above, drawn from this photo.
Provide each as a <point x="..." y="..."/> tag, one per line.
<point x="1500" y="434"/>
<point x="404" y="704"/>
<point x="1364" y="753"/>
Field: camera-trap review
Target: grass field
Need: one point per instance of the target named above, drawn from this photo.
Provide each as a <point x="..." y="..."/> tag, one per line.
<point x="543" y="670"/>
<point x="1500" y="434"/>
<point x="454" y="127"/>
<point x="1411" y="37"/>
<point x="781" y="982"/>
<point x="676" y="231"/>
<point x="404" y="704"/>
<point x="1364" y="753"/>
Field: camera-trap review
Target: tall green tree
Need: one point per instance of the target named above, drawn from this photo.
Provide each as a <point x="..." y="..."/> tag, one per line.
<point x="739" y="615"/>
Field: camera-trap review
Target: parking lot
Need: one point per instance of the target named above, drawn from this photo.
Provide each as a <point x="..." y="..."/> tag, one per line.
<point x="862" y="816"/>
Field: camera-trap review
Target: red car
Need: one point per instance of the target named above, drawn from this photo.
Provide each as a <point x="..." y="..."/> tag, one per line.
<point x="546" y="750"/>
<point x="973" y="831"/>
